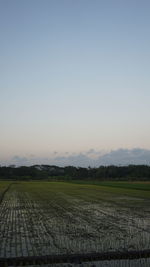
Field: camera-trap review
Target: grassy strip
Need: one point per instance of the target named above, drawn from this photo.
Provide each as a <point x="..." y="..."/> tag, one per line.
<point x="127" y="185"/>
<point x="84" y="191"/>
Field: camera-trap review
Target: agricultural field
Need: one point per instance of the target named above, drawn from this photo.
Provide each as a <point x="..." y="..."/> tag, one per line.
<point x="50" y="218"/>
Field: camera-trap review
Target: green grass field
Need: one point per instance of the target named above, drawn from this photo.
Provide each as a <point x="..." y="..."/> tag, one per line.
<point x="94" y="192"/>
<point x="123" y="184"/>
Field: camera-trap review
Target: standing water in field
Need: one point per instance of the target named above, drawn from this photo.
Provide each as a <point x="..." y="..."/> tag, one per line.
<point x="44" y="220"/>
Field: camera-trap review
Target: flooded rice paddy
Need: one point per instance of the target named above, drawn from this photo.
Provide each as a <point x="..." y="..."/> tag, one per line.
<point x="38" y="219"/>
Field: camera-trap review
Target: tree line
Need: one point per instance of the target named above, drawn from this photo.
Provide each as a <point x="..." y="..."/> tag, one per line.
<point x="102" y="173"/>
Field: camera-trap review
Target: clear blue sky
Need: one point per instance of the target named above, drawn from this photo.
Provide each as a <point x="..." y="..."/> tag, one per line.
<point x="74" y="75"/>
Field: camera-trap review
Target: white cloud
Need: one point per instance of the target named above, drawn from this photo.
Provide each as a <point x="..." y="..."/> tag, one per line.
<point x="91" y="158"/>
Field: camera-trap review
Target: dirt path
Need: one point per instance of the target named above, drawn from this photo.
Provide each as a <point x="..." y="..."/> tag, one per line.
<point x="5" y="191"/>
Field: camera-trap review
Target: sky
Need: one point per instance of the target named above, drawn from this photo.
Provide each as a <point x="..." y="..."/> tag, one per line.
<point x="74" y="77"/>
